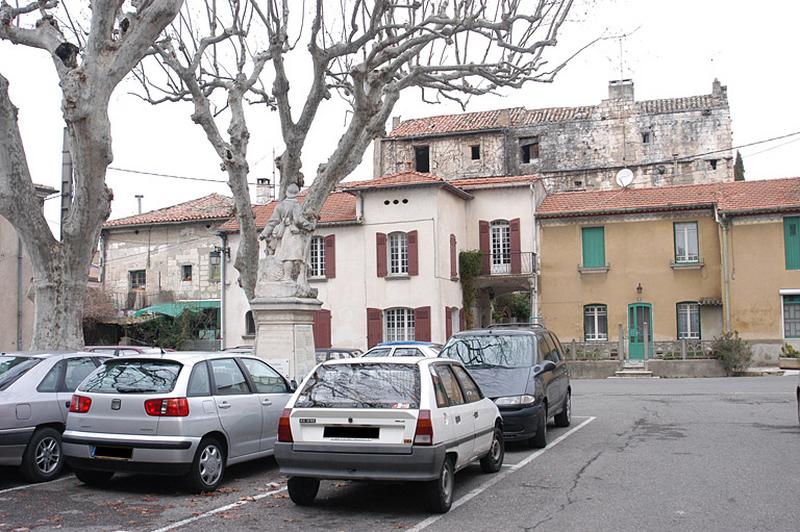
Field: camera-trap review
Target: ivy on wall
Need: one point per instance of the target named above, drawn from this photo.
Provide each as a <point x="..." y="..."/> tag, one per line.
<point x="469" y="267"/>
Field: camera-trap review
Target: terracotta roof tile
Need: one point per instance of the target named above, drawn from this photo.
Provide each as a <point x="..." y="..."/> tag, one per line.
<point x="493" y="181"/>
<point x="403" y="180"/>
<point x="772" y="195"/>
<point x="211" y="207"/>
<point x="338" y="208"/>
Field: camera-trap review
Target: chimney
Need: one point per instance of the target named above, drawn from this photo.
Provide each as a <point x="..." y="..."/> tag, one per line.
<point x="620" y="89"/>
<point x="395" y="122"/>
<point x="264" y="193"/>
<point x="718" y="90"/>
<point x="139" y="198"/>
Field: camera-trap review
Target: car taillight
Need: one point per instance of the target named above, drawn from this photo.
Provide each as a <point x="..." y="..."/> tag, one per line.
<point x="173" y="407"/>
<point x="285" y="427"/>
<point x="79" y="404"/>
<point x="424" y="433"/>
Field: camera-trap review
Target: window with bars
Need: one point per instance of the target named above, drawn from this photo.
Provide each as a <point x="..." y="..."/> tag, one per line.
<point x="595" y="323"/>
<point x="399" y="325"/>
<point x="686" y="243"/>
<point x="791" y="316"/>
<point x="688" y="321"/>
<point x="317" y="257"/>
<point x="398" y="254"/>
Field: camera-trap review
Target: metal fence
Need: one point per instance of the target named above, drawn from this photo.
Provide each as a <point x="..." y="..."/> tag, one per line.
<point x="663" y="350"/>
<point x="512" y="263"/>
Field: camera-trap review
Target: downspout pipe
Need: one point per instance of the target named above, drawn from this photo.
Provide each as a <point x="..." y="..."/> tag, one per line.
<point x="19" y="294"/>
<point x="724" y="224"/>
<point x="534" y="260"/>
<point x="223" y="259"/>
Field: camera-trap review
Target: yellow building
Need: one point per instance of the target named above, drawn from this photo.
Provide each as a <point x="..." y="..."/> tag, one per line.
<point x="682" y="262"/>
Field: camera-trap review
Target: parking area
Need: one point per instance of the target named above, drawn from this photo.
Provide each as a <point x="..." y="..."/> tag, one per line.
<point x="689" y="454"/>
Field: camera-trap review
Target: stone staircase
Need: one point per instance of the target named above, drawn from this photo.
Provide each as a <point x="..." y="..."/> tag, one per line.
<point x="633" y="371"/>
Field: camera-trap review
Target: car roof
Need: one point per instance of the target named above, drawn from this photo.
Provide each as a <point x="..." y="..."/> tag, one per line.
<point x="184" y="356"/>
<point x="500" y="331"/>
<point x="410" y="343"/>
<point x="47" y="354"/>
<point x="388" y="360"/>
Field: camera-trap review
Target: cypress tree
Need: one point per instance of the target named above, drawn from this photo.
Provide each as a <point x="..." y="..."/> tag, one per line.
<point x="738" y="168"/>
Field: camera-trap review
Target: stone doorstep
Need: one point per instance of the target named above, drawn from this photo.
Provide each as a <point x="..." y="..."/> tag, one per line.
<point x="633" y="373"/>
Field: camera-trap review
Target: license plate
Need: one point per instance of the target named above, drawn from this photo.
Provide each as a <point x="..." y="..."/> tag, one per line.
<point x="104" y="452"/>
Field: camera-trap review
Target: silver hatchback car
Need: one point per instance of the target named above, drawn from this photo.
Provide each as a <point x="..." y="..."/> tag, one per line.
<point x="188" y="414"/>
<point x="35" y="390"/>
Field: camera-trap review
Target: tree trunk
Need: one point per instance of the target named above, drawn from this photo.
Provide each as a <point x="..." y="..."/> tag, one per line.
<point x="59" y="300"/>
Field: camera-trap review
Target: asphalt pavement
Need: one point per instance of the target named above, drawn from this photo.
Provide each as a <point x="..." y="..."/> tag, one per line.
<point x="641" y="454"/>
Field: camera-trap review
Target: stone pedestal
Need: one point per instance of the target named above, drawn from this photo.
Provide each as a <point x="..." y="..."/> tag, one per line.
<point x="284" y="333"/>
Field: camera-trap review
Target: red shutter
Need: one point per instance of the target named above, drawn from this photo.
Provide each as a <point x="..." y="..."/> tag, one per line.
<point x="322" y="328"/>
<point x="380" y="250"/>
<point x="330" y="256"/>
<point x="516" y="257"/>
<point x="374" y="327"/>
<point x="422" y="324"/>
<point x="462" y="320"/>
<point x="483" y="239"/>
<point x="448" y="323"/>
<point x="453" y="257"/>
<point x="413" y="253"/>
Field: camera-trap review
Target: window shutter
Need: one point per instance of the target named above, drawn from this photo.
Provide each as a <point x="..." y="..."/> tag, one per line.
<point x="483" y="239"/>
<point x="413" y="253"/>
<point x="448" y="323"/>
<point x="516" y="258"/>
<point x="374" y="327"/>
<point x="462" y="320"/>
<point x="453" y="257"/>
<point x="422" y="324"/>
<point x="322" y="328"/>
<point x="594" y="253"/>
<point x="791" y="240"/>
<point x="330" y="256"/>
<point x="380" y="250"/>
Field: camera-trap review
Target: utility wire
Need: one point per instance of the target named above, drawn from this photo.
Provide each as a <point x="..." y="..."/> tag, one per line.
<point x="172" y="176"/>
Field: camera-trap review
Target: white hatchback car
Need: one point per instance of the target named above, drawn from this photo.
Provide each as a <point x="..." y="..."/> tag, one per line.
<point x="404" y="349"/>
<point x="393" y="418"/>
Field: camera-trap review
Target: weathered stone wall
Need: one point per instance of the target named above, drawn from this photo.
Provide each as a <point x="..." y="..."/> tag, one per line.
<point x="161" y="250"/>
<point x="10" y="313"/>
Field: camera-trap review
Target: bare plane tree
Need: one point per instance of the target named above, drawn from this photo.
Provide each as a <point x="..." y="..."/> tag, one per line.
<point x="90" y="64"/>
<point x="366" y="51"/>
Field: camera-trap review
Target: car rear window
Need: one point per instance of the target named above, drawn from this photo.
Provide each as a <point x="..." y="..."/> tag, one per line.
<point x="134" y="376"/>
<point x="492" y="350"/>
<point x="362" y="386"/>
<point x="12" y="368"/>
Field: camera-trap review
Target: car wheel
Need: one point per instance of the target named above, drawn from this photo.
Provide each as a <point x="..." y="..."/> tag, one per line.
<point x="93" y="478"/>
<point x="208" y="466"/>
<point x="303" y="490"/>
<point x="565" y="417"/>
<point x="43" y="457"/>
<point x="539" y="441"/>
<point x="493" y="461"/>
<point x="440" y="491"/>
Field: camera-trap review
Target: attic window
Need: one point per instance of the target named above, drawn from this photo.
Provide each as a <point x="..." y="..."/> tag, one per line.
<point x="646" y="137"/>
<point x="422" y="160"/>
<point x="529" y="149"/>
<point x="475" y="152"/>
<point x="712" y="163"/>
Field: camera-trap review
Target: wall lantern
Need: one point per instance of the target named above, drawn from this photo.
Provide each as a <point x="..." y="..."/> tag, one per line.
<point x="639" y="291"/>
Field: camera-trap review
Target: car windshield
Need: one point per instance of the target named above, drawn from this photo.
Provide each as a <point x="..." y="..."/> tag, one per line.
<point x="492" y="351"/>
<point x="133" y="376"/>
<point x="378" y="352"/>
<point x="362" y="386"/>
<point x="13" y="367"/>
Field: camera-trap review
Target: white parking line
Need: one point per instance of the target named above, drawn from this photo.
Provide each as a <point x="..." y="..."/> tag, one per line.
<point x="15" y="488"/>
<point x="498" y="477"/>
<point x="236" y="504"/>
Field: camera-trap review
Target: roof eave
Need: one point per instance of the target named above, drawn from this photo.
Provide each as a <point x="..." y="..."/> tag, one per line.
<point x="153" y="224"/>
<point x="623" y="212"/>
<point x="443" y="184"/>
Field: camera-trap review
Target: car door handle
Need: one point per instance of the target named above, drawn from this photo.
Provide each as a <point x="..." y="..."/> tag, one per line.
<point x="475" y="414"/>
<point x="458" y="419"/>
<point x="66" y="404"/>
<point x="266" y="402"/>
<point x="224" y="404"/>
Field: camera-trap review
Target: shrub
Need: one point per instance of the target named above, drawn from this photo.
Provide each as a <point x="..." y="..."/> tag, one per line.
<point x="788" y="351"/>
<point x="733" y="353"/>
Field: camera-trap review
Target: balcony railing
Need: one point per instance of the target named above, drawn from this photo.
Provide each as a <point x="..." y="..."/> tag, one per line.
<point x="511" y="263"/>
<point x="664" y="350"/>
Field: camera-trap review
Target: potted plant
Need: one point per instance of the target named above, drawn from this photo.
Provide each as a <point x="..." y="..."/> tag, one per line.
<point x="790" y="357"/>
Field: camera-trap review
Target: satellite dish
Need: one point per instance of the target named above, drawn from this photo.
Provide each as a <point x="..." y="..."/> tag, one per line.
<point x="624" y="177"/>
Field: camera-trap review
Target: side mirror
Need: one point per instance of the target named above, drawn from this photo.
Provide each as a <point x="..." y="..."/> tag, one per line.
<point x="547" y="365"/>
<point x="292" y="385"/>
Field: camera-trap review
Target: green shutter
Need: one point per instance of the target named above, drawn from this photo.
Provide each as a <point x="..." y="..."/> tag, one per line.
<point x="594" y="249"/>
<point x="791" y="242"/>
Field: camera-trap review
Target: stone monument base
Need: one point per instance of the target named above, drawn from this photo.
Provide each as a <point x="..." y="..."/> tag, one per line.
<point x="284" y="333"/>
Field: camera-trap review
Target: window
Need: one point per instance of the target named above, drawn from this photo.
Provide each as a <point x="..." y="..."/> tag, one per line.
<point x="399" y="325"/>
<point x="76" y="370"/>
<point x="317" y="257"/>
<point x="134" y="376"/>
<point x="450" y="385"/>
<point x="228" y="378"/>
<point x="398" y="254"/>
<point x="595" y="323"/>
<point x="249" y="324"/>
<point x="791" y="242"/>
<point x="408" y="352"/>
<point x="594" y="249"/>
<point x="688" y="321"/>
<point x="138" y="279"/>
<point x="501" y="246"/>
<point x="422" y="159"/>
<point x="646" y="136"/>
<point x="529" y="149"/>
<point x="471" y="391"/>
<point x="791" y="316"/>
<point x="264" y="377"/>
<point x="186" y="272"/>
<point x="214" y="265"/>
<point x="475" y="152"/>
<point x="686" y="246"/>
<point x="199" y="383"/>
<point x="362" y="386"/>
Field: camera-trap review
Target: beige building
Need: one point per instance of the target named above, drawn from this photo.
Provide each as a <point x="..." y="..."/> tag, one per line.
<point x="684" y="262"/>
<point x="17" y="312"/>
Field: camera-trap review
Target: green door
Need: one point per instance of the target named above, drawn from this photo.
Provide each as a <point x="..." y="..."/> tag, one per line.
<point x="638" y="315"/>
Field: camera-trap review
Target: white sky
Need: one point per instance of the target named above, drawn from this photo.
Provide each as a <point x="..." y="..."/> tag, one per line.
<point x="679" y="48"/>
